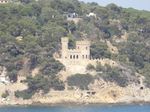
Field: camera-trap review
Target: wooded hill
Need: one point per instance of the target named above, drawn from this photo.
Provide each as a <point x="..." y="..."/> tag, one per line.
<point x="31" y="30"/>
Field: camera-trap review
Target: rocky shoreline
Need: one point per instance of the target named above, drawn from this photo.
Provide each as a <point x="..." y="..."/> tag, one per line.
<point x="73" y="104"/>
<point x="62" y="102"/>
<point x="109" y="93"/>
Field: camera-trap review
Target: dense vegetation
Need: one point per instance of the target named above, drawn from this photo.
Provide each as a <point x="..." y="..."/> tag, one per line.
<point x="30" y="33"/>
<point x="80" y="81"/>
<point x="112" y="75"/>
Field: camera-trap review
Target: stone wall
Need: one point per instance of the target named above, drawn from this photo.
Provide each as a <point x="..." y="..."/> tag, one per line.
<point x="79" y="66"/>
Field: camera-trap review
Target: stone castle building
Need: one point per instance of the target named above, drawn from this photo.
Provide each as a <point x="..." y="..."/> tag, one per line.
<point x="76" y="60"/>
<point x="81" y="52"/>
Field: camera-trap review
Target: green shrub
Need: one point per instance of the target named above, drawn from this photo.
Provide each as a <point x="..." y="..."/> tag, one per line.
<point x="99" y="67"/>
<point x="90" y="67"/>
<point x="5" y="94"/>
<point x="37" y="83"/>
<point x="102" y="68"/>
<point x="114" y="75"/>
<point x="51" y="68"/>
<point x="56" y="84"/>
<point x="25" y="94"/>
<point x="99" y="50"/>
<point x="80" y="80"/>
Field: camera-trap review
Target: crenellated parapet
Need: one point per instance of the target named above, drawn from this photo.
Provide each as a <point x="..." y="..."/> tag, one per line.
<point x="104" y="61"/>
<point x="73" y="51"/>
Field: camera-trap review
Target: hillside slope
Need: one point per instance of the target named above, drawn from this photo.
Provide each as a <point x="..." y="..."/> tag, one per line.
<point x="31" y="31"/>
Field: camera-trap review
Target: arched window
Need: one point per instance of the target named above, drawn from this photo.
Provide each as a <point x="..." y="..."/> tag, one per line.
<point x="70" y="56"/>
<point x="86" y="56"/>
<point x="74" y="56"/>
<point x="77" y="56"/>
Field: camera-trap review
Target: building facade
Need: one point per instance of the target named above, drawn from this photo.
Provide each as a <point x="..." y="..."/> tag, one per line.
<point x="81" y="51"/>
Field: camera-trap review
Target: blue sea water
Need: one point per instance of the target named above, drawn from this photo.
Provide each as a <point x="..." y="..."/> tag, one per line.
<point x="87" y="108"/>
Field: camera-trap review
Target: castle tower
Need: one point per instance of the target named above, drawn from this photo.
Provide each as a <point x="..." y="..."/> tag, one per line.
<point x="64" y="51"/>
<point x="84" y="48"/>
